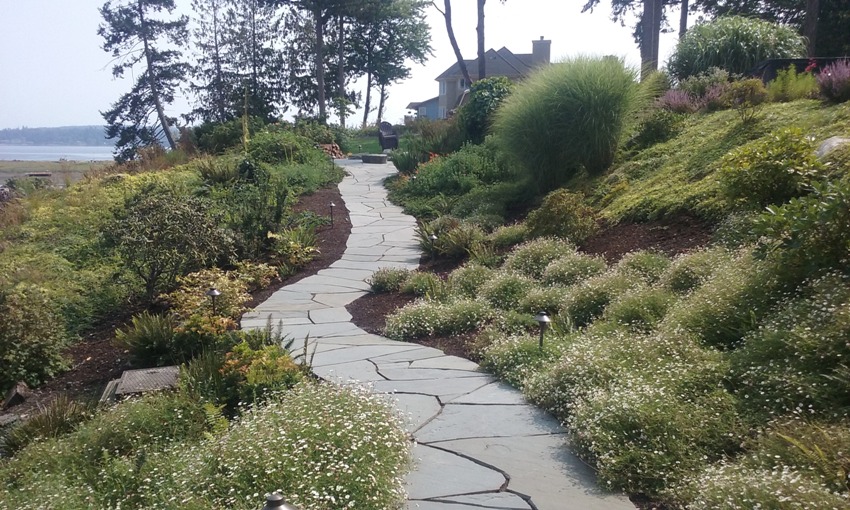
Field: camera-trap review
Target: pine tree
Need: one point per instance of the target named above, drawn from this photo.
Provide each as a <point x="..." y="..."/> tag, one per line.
<point x="135" y="37"/>
<point x="212" y="79"/>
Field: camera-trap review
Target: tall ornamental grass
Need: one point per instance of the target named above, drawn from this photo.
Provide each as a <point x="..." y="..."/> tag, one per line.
<point x="734" y="44"/>
<point x="567" y="117"/>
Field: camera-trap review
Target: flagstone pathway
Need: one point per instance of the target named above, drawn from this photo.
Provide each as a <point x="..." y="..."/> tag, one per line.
<point x="479" y="444"/>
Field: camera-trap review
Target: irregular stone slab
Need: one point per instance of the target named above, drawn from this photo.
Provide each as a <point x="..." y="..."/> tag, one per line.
<point x="340" y="287"/>
<point x="359" y="339"/>
<point x="542" y="467"/>
<point x="448" y="362"/>
<point x="349" y="354"/>
<point x="261" y="322"/>
<point x="328" y="315"/>
<point x="440" y="474"/>
<point x="467" y="421"/>
<point x="361" y="371"/>
<point x="496" y="393"/>
<point x="417" y="409"/>
<point x="338" y="299"/>
<point x="417" y="353"/>
<point x="446" y="389"/>
<point x="498" y="500"/>
<point x="318" y="283"/>
<point x="321" y="330"/>
<point x="417" y="374"/>
<point x="347" y="274"/>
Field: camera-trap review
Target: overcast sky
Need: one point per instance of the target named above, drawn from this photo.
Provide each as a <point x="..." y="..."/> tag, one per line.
<point x="53" y="71"/>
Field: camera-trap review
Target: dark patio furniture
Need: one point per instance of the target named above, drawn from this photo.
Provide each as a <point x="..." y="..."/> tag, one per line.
<point x="387" y="136"/>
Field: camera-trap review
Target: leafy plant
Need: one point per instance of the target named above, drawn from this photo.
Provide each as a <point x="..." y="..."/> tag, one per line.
<point x="153" y="341"/>
<point x="689" y="271"/>
<point x="770" y="170"/>
<point x="573" y="218"/>
<point x="734" y="44"/>
<point x="485" y="96"/>
<point x="789" y="85"/>
<point x="254" y="374"/>
<point x="640" y="310"/>
<point x="747" y="97"/>
<point x="467" y="280"/>
<point x="678" y="101"/>
<point x="506" y="289"/>
<point x="191" y="298"/>
<point x="293" y="247"/>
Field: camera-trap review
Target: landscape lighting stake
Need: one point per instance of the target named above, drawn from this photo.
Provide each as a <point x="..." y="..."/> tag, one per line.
<point x="213" y="293"/>
<point x="275" y="500"/>
<point x="543" y="321"/>
<point x="332" y="214"/>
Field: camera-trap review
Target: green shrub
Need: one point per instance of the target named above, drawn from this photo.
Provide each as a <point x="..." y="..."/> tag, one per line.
<point x="640" y="310"/>
<point x="276" y="147"/>
<point x="572" y="268"/>
<point x="293" y="247"/>
<point x="548" y="299"/>
<point x="191" y="297"/>
<point x="388" y="279"/>
<point x="795" y="362"/>
<point x="689" y="271"/>
<point x="701" y="84"/>
<point x="789" y="85"/>
<point x="588" y="300"/>
<point x="406" y="160"/>
<point x="32" y="337"/>
<point x="467" y="280"/>
<point x="485" y="96"/>
<point x="734" y="44"/>
<point x="421" y="283"/>
<point x="563" y="214"/>
<point x="532" y="257"/>
<point x="809" y="233"/>
<point x="218" y="170"/>
<point x="457" y="242"/>
<point x="493" y="199"/>
<point x="656" y="127"/>
<point x="506" y="289"/>
<point x="516" y="358"/>
<point x="646" y="265"/>
<point x="728" y="306"/>
<point x="508" y="236"/>
<point x="252" y="375"/>
<point x="567" y="117"/>
<point x="161" y="234"/>
<point x="834" y="81"/>
<point x="747" y="97"/>
<point x="152" y="340"/>
<point x="218" y="138"/>
<point x="770" y="170"/>
<point x="255" y="275"/>
<point x="60" y="416"/>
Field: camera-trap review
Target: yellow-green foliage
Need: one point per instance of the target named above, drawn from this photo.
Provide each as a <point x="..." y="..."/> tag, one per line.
<point x="575" y="219"/>
<point x="789" y="85"/>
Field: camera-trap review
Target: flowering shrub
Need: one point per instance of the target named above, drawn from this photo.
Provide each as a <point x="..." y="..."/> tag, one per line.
<point x="507" y="236"/>
<point x="505" y="290"/>
<point x="252" y="374"/>
<point x="834" y="81"/>
<point x="572" y="268"/>
<point x="589" y="298"/>
<point x="424" y="284"/>
<point x="646" y="265"/>
<point x="641" y="309"/>
<point x="388" y="279"/>
<point x="678" y="101"/>
<point x="532" y="257"/>
<point x="689" y="271"/>
<point x="515" y="358"/>
<point x="467" y="280"/>
<point x="424" y="318"/>
<point x="547" y="299"/>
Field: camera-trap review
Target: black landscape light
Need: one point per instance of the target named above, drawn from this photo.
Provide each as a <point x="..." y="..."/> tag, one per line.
<point x="213" y="293"/>
<point x="332" y="214"/>
<point x="543" y="321"/>
<point x="275" y="500"/>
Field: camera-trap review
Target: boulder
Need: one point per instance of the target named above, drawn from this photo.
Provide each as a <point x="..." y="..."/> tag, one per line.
<point x="19" y="393"/>
<point x="831" y="144"/>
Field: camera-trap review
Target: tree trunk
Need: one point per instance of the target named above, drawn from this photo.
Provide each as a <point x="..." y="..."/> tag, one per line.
<point x="218" y="81"/>
<point x="683" y="19"/>
<point x="810" y="26"/>
<point x="340" y="73"/>
<point x="381" y="103"/>
<point x="447" y="14"/>
<point x="368" y="101"/>
<point x="482" y="63"/>
<point x="152" y="80"/>
<point x="651" y="28"/>
<point x="320" y="60"/>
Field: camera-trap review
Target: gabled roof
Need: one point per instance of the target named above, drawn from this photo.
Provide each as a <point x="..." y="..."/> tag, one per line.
<point x="499" y="63"/>
<point x="416" y="105"/>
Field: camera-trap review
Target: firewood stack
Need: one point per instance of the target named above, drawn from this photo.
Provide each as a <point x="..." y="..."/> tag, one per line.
<point x="332" y="150"/>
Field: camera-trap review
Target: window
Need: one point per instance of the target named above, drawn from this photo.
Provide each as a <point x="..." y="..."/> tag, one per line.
<point x="442" y="88"/>
<point x="423" y="112"/>
<point x="442" y="112"/>
<point x="462" y="84"/>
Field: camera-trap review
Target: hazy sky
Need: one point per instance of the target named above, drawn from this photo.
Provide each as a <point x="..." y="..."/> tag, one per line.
<point x="53" y="71"/>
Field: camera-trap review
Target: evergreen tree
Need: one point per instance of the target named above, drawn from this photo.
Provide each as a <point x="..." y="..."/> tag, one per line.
<point x="135" y="36"/>
<point x="212" y="79"/>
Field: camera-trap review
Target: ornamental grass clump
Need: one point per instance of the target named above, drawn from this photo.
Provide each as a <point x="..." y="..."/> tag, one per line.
<point x="506" y="289"/>
<point x="588" y="300"/>
<point x="467" y="280"/>
<point x="641" y="309"/>
<point x="646" y="265"/>
<point x="532" y="257"/>
<point x="690" y="270"/>
<point x="568" y="117"/>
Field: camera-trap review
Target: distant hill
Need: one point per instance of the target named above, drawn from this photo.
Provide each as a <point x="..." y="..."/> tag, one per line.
<point x="67" y="135"/>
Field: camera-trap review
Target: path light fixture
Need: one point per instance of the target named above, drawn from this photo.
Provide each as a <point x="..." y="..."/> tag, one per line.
<point x="213" y="293"/>
<point x="332" y="214"/>
<point x="543" y="321"/>
<point x="275" y="500"/>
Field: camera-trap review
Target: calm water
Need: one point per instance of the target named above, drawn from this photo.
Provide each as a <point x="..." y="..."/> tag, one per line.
<point x="54" y="153"/>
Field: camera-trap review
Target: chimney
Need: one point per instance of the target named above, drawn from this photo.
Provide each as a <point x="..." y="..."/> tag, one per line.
<point x="540" y="52"/>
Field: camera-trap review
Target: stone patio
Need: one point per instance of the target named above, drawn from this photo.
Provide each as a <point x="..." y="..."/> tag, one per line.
<point x="479" y="444"/>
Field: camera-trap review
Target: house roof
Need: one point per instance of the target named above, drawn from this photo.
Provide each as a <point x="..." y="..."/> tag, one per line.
<point x="417" y="104"/>
<point x="499" y="63"/>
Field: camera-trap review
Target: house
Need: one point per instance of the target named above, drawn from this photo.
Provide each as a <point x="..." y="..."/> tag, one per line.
<point x="503" y="62"/>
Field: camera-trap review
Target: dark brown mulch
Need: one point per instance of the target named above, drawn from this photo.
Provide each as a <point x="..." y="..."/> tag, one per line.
<point x="96" y="359"/>
<point x="672" y="237"/>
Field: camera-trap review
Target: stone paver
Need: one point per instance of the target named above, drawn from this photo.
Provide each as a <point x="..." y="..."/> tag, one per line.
<point x="478" y="443"/>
